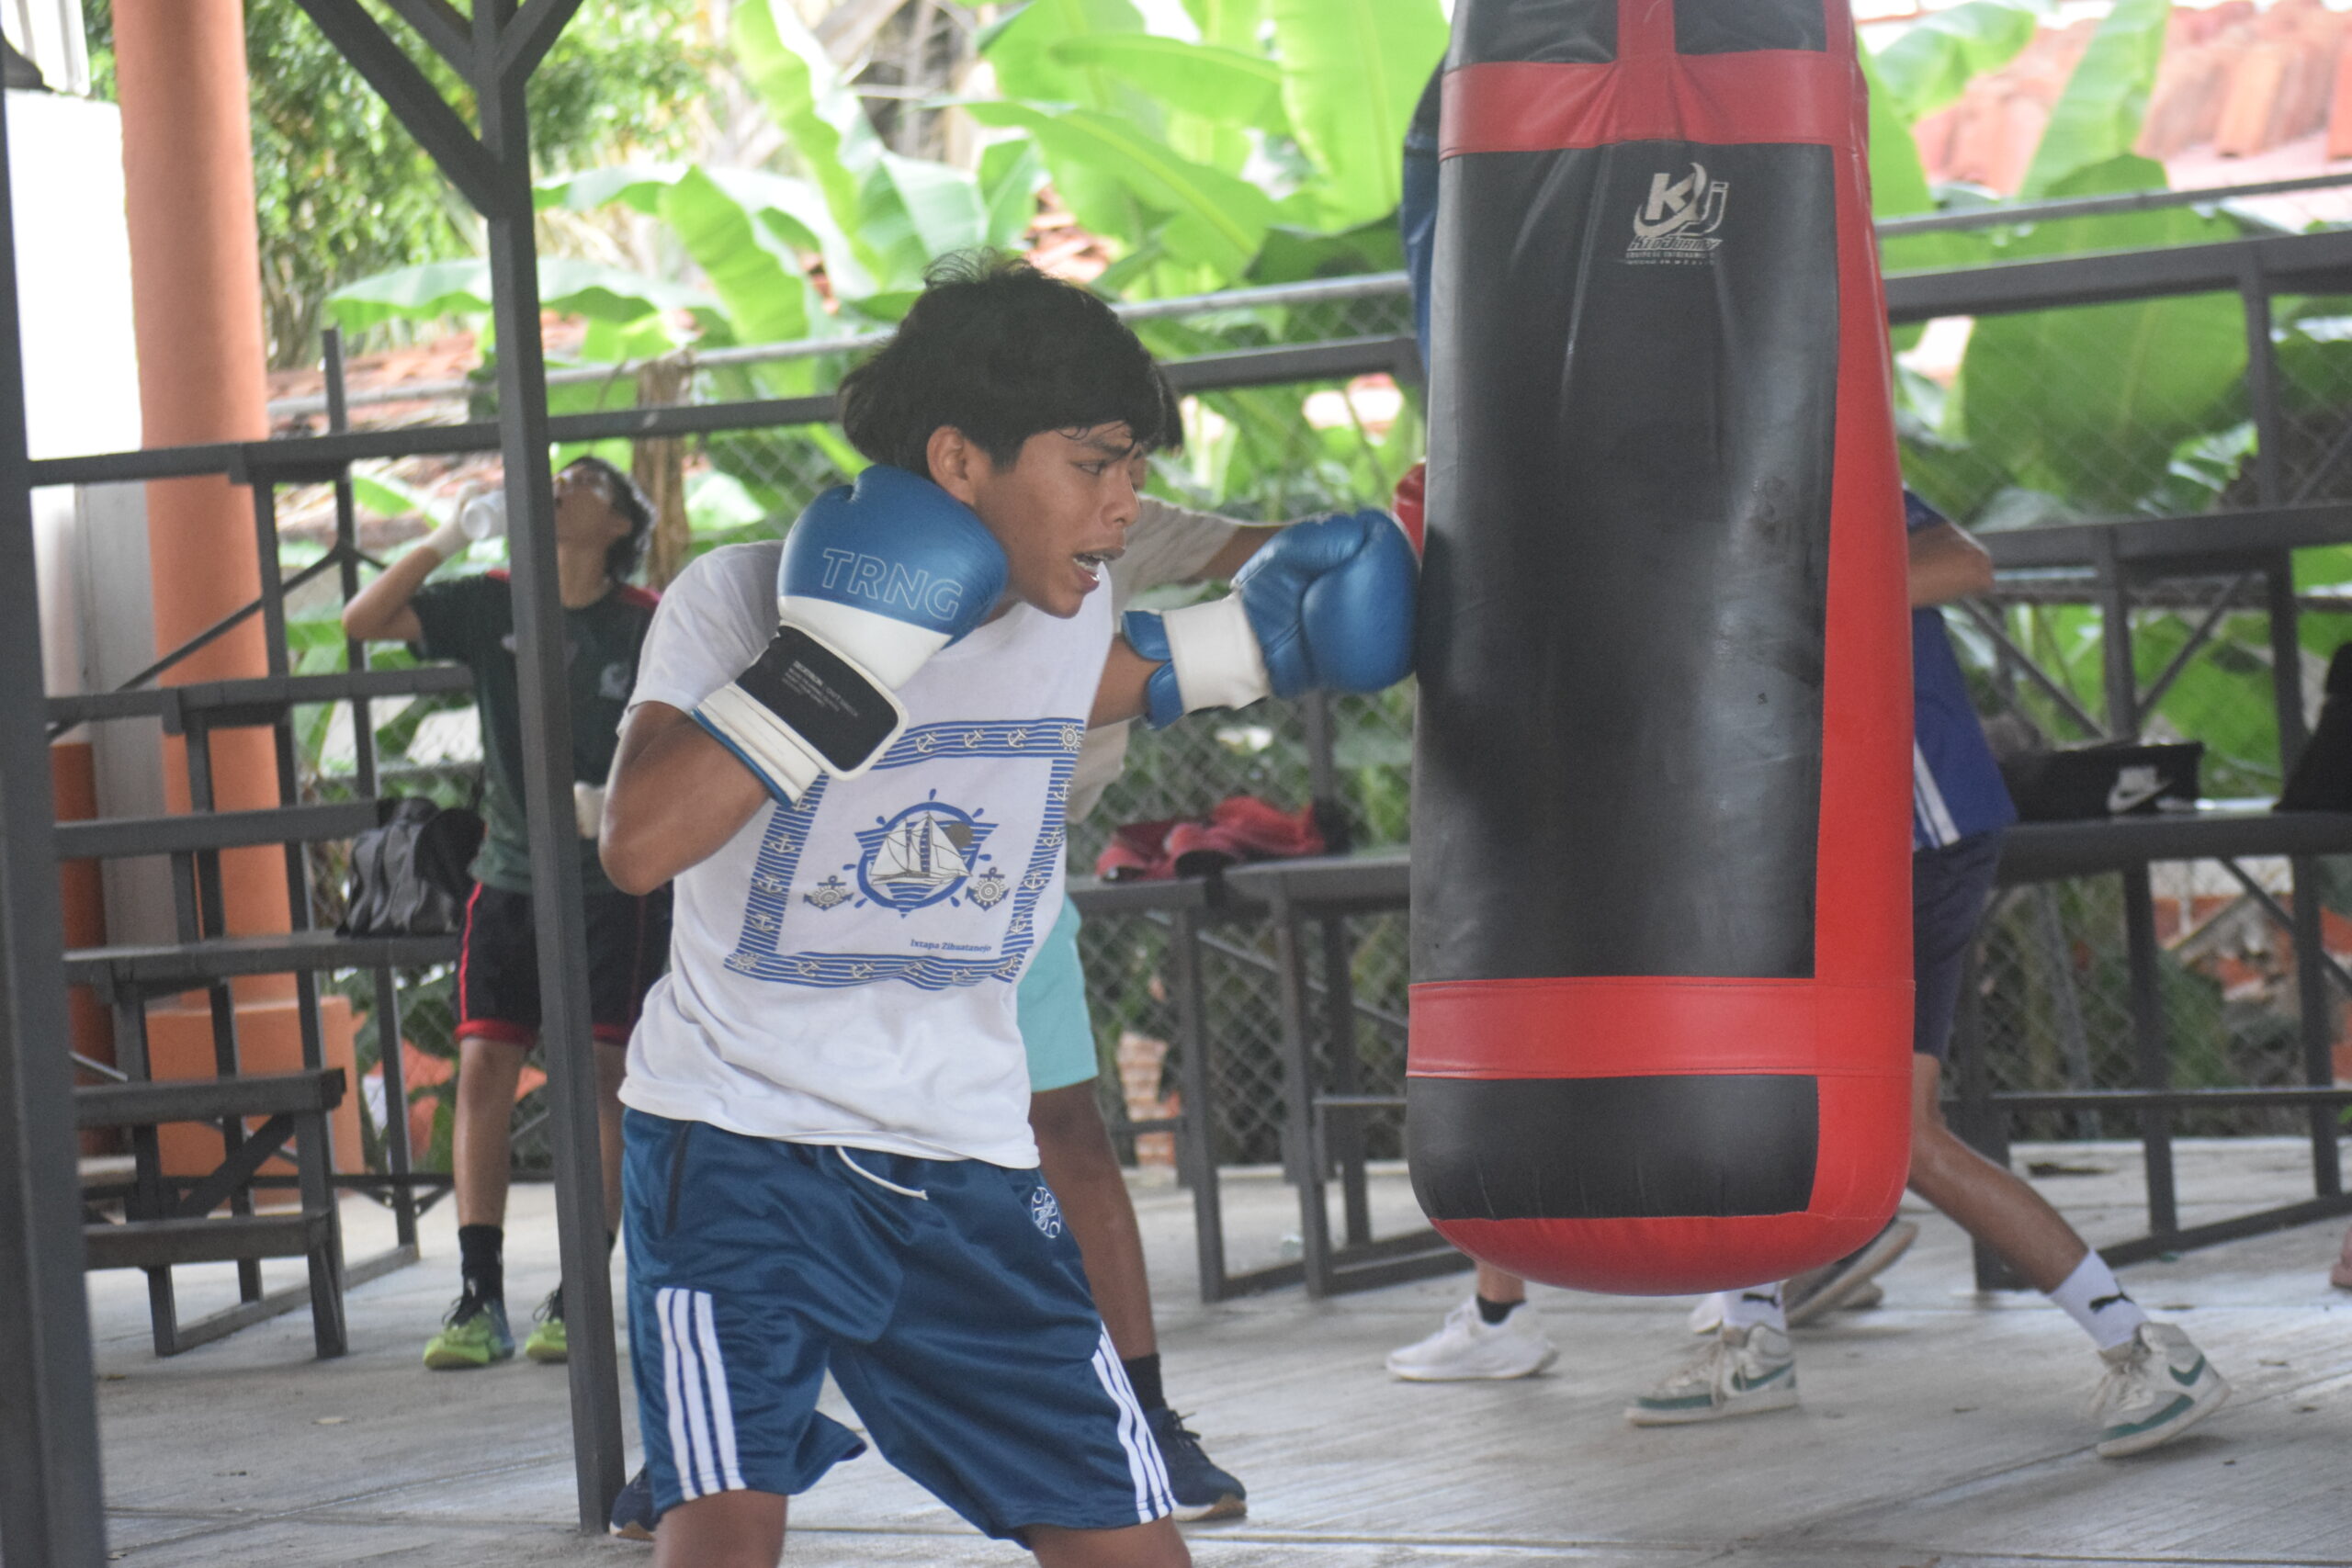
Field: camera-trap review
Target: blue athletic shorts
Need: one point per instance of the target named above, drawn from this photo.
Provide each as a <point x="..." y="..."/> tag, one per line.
<point x="946" y="1297"/>
<point x="1950" y="887"/>
<point x="1051" y="1004"/>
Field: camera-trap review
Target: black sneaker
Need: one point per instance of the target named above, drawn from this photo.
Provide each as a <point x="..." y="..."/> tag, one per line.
<point x="633" y="1516"/>
<point x="1201" y="1491"/>
<point x="1822" y="1291"/>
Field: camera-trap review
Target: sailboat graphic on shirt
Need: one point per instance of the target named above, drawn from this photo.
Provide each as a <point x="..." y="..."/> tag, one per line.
<point x="923" y="852"/>
<point x="923" y="856"/>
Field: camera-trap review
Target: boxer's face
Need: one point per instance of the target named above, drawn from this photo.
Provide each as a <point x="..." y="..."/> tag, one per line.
<point x="1060" y="510"/>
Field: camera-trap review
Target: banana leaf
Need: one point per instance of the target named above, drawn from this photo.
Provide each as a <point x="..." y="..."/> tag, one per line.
<point x="1208" y="217"/>
<point x="2097" y="119"/>
<point x="462" y="288"/>
<point x="1351" y="72"/>
<point x="1937" y="56"/>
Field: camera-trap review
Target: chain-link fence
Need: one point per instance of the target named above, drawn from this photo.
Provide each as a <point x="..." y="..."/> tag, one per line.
<point x="2054" y="988"/>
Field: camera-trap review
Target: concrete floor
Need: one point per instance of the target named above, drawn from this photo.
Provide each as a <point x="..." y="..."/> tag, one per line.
<point x="1941" y="1430"/>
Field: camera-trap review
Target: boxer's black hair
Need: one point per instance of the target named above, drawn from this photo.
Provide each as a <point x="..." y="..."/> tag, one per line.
<point x="1001" y="351"/>
<point x="625" y="496"/>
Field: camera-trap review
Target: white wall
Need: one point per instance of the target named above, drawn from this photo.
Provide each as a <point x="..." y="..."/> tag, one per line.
<point x="82" y="395"/>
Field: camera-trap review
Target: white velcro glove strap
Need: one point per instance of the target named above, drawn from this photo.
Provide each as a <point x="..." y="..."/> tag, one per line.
<point x="764" y="742"/>
<point x="884" y="646"/>
<point x="587" y="808"/>
<point x="1215" y="652"/>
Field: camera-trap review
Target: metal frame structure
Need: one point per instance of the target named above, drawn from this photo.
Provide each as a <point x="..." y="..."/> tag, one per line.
<point x="50" y="1509"/>
<point x="50" y="1500"/>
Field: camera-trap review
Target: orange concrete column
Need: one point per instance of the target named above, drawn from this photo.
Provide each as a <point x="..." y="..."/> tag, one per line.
<point x="196" y="295"/>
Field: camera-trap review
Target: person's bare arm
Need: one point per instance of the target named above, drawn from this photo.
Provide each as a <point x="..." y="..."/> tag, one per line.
<point x="1120" y="695"/>
<point x="676" y="796"/>
<point x="380" y="612"/>
<point x="1247" y="541"/>
<point x="1946" y="564"/>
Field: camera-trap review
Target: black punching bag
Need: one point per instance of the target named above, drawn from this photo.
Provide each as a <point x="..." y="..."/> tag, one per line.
<point x="1661" y="1001"/>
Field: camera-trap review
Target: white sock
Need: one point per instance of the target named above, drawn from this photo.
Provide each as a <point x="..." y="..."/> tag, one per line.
<point x="1758" y="1304"/>
<point x="2093" y="1298"/>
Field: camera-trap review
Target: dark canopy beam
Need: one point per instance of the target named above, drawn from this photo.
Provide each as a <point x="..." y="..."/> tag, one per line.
<point x="410" y="95"/>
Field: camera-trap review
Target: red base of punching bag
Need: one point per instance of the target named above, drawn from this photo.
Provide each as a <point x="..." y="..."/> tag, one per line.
<point x="1614" y="1075"/>
<point x="1661" y="1017"/>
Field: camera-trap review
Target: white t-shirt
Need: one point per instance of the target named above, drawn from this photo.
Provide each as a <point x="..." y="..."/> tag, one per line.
<point x="843" y="971"/>
<point x="1165" y="544"/>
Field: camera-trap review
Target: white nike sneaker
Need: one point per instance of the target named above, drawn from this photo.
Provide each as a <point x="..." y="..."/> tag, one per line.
<point x="2157" y="1386"/>
<point x="1468" y="1347"/>
<point x="1745" y="1373"/>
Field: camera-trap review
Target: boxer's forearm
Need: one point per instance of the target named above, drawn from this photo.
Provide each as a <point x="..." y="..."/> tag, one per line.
<point x="1120" y="697"/>
<point x="380" y="611"/>
<point x="676" y="796"/>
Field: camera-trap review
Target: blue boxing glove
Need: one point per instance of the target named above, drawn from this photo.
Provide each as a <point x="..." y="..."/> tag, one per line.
<point x="1325" y="605"/>
<point x="876" y="579"/>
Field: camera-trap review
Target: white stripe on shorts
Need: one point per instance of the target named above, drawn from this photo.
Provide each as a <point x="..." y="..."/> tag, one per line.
<point x="1928" y="802"/>
<point x="691" y="1437"/>
<point x="722" y="1409"/>
<point x="673" y="1398"/>
<point x="1145" y="1467"/>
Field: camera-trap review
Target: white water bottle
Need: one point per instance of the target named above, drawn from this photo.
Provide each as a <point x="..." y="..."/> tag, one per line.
<point x="483" y="515"/>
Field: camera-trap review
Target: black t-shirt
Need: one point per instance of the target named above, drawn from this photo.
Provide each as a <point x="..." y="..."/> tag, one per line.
<point x="471" y="620"/>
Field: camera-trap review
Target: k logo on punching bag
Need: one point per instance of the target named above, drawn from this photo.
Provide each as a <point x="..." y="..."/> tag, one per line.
<point x="1661" y="1004"/>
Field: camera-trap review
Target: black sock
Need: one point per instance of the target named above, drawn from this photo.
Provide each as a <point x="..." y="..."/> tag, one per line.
<point x="1493" y="1313"/>
<point x="1143" y="1376"/>
<point x="480" y="1261"/>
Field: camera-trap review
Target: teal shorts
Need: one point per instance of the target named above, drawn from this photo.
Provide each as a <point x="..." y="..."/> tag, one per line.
<point x="1051" y="1006"/>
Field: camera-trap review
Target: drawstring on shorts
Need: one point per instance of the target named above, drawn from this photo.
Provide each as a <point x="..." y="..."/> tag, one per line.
<point x="887" y="1186"/>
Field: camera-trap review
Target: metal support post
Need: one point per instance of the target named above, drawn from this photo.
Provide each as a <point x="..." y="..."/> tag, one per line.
<point x="494" y="172"/>
<point x="1342" y="1129"/>
<point x="51" y="1510"/>
<point x="1197" y="1137"/>
<point x="539" y="638"/>
<point x="2149" y="1045"/>
<point x="2317" y="1005"/>
<point x="402" y="1196"/>
<point x="1301" y="1148"/>
<point x="2115" y="644"/>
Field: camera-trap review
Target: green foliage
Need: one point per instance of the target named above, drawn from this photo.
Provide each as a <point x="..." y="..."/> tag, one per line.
<point x="1932" y="62"/>
<point x="2097" y="119"/>
<point x="1351" y="70"/>
<point x="341" y="190"/>
<point x="462" y="287"/>
<point x="2091" y="403"/>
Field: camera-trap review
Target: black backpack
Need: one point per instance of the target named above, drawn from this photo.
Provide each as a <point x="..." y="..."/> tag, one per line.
<point x="409" y="877"/>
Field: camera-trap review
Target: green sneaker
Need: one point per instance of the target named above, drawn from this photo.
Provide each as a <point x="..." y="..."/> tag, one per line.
<point x="546" y="1342"/>
<point x="473" y="1334"/>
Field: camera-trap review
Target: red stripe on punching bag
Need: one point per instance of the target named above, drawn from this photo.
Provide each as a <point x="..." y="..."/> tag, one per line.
<point x="1724" y="100"/>
<point x="1646" y="1026"/>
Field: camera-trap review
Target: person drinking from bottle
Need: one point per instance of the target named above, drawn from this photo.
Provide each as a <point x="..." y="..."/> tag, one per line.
<point x="602" y="522"/>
